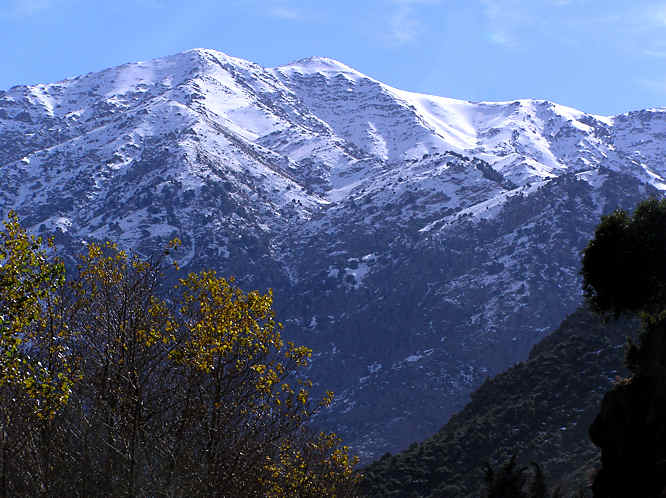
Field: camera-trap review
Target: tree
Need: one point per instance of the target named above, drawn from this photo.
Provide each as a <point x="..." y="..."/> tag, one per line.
<point x="624" y="271"/>
<point x="623" y="267"/>
<point x="511" y="481"/>
<point x="117" y="417"/>
<point x="37" y="370"/>
<point x="507" y="482"/>
<point x="141" y="388"/>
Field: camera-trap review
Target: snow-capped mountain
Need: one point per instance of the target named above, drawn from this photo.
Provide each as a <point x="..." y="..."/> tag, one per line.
<point x="417" y="243"/>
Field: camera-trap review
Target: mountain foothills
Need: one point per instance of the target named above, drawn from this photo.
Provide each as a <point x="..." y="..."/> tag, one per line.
<point x="539" y="411"/>
<point x="418" y="244"/>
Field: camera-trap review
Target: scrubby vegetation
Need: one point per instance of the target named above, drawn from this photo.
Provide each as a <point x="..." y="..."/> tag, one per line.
<point x="546" y="409"/>
<point x="538" y="410"/>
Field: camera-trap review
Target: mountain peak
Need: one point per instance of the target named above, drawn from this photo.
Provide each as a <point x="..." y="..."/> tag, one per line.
<point x="322" y="65"/>
<point x="324" y="184"/>
<point x="218" y="56"/>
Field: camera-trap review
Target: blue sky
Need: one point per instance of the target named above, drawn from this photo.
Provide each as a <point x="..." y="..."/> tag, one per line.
<point x="601" y="56"/>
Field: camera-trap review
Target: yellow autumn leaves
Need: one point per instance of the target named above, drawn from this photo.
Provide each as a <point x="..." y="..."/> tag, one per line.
<point x="121" y="381"/>
<point x="33" y="357"/>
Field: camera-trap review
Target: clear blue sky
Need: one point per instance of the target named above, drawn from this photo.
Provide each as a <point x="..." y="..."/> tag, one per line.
<point x="601" y="56"/>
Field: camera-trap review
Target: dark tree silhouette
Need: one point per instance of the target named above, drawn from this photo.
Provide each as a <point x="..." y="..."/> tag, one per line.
<point x="624" y="271"/>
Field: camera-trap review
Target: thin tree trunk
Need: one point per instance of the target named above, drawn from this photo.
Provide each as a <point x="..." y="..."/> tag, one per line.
<point x="3" y="479"/>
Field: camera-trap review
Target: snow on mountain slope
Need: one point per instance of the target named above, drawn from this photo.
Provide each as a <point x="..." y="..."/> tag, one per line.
<point x="525" y="140"/>
<point x="417" y="243"/>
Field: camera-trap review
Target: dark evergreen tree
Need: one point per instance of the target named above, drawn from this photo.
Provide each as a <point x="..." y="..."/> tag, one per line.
<point x="538" y="488"/>
<point x="507" y="482"/>
<point x="624" y="268"/>
<point x="624" y="271"/>
<point x="512" y="481"/>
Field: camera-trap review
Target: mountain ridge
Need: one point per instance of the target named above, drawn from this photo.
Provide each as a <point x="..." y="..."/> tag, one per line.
<point x="417" y="243"/>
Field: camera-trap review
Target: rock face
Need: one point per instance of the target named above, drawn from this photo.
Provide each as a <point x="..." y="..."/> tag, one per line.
<point x="417" y="243"/>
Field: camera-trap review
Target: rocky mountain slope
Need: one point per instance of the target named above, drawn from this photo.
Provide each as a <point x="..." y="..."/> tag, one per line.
<point x="417" y="243"/>
<point x="539" y="410"/>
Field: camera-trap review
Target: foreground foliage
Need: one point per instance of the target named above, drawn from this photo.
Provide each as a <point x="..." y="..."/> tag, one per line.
<point x="624" y="271"/>
<point x="112" y="383"/>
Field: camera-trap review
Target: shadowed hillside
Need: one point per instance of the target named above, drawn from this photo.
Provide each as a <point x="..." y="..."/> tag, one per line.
<point x="540" y="410"/>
